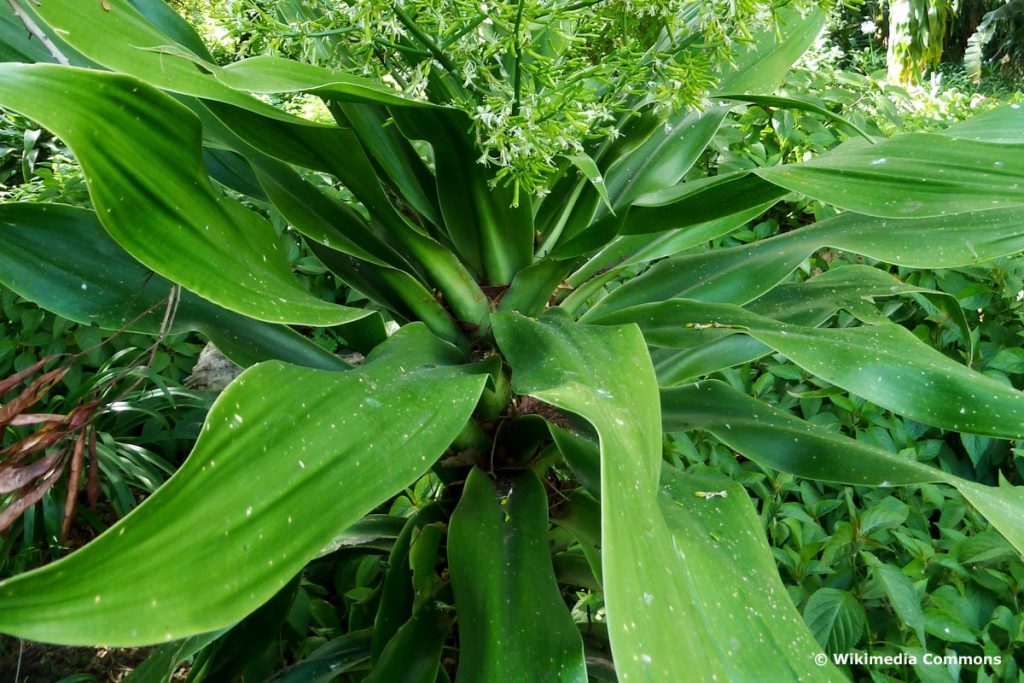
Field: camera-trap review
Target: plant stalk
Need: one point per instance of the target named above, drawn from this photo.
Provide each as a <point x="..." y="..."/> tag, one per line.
<point x="38" y="33"/>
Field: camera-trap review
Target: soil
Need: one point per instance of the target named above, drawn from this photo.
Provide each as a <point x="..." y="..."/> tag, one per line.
<point x="41" y="663"/>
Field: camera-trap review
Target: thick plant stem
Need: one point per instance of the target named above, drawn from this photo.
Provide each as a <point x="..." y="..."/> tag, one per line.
<point x="461" y="292"/>
<point x="37" y="32"/>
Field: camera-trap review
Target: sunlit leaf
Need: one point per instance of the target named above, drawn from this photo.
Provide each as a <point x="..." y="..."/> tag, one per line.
<point x="288" y="457"/>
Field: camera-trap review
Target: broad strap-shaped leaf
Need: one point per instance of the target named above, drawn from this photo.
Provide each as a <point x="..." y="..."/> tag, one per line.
<point x="44" y="263"/>
<point x="407" y="172"/>
<point x="414" y="653"/>
<point x="1003" y="125"/>
<point x="781" y="441"/>
<point x="853" y="288"/>
<point x="140" y="152"/>
<point x="627" y="250"/>
<point x="122" y="39"/>
<point x="660" y="160"/>
<point x="910" y="176"/>
<point x="605" y="376"/>
<point x="338" y="151"/>
<point x="345" y="242"/>
<point x="740" y="599"/>
<point x="884" y="363"/>
<point x="505" y="588"/>
<point x="288" y="457"/>
<point x="761" y="66"/>
<point x="700" y="201"/>
<point x="742" y="274"/>
<point x="490" y="227"/>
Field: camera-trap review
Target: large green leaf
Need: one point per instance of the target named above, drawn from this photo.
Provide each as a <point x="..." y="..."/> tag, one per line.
<point x="853" y="288"/>
<point x="722" y="542"/>
<point x="140" y="152"/>
<point x="657" y="597"/>
<point x="1004" y="124"/>
<point x="122" y="39"/>
<point x="413" y="655"/>
<point x="761" y="65"/>
<point x="778" y="440"/>
<point x="700" y="201"/>
<point x="884" y="363"/>
<point x="910" y="176"/>
<point x="288" y="457"/>
<point x="741" y="274"/>
<point x="505" y="586"/>
<point x="627" y="250"/>
<point x="338" y="151"/>
<point x="491" y="233"/>
<point x="43" y="262"/>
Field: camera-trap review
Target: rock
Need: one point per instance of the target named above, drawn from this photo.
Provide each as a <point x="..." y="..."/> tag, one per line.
<point x="213" y="371"/>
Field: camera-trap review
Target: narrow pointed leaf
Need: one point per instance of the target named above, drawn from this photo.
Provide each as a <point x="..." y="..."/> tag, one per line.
<point x="661" y="160"/>
<point x="505" y="586"/>
<point x="701" y="201"/>
<point x="796" y="103"/>
<point x="397" y="593"/>
<point x="627" y="250"/>
<point x="334" y="657"/>
<point x="266" y="487"/>
<point x="160" y="666"/>
<point x="171" y="24"/>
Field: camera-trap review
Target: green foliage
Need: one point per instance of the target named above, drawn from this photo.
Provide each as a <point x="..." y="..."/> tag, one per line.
<point x="142" y="436"/>
<point x="538" y="79"/>
<point x="559" y="373"/>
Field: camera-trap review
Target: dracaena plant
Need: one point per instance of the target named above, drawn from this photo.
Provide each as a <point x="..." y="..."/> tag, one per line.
<point x="531" y="377"/>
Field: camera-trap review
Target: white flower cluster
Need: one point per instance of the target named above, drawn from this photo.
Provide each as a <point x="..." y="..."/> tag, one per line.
<point x="540" y="79"/>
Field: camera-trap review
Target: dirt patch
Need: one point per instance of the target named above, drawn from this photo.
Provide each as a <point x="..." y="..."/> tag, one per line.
<point x="42" y="663"/>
